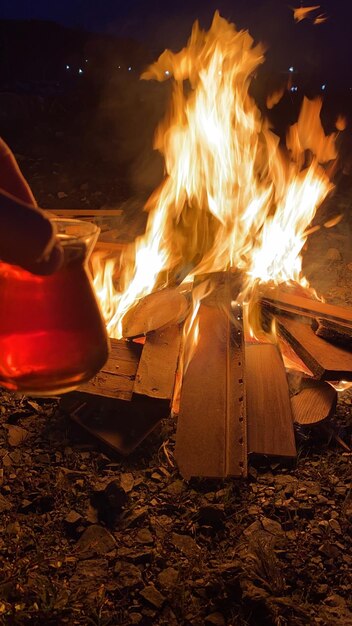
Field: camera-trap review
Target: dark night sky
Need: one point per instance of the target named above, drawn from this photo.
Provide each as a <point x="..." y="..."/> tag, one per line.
<point x="168" y="24"/>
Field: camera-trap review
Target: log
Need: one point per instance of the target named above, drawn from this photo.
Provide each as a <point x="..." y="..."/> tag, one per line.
<point x="211" y="428"/>
<point x="325" y="360"/>
<point x="278" y="300"/>
<point x="158" y="363"/>
<point x="269" y="415"/>
<point x="333" y="332"/>
<point x="315" y="403"/>
<point x="155" y="311"/>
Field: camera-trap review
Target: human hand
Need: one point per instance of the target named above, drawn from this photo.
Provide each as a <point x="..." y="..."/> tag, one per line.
<point x="27" y="237"/>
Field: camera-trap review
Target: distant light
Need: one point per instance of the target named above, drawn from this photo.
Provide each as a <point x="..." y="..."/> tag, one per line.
<point x="86" y="60"/>
<point x="80" y="71"/>
<point x="67" y="67"/>
<point x="119" y="67"/>
<point x="323" y="87"/>
<point x="291" y="69"/>
<point x="167" y="72"/>
<point x="294" y="88"/>
<point x="130" y="68"/>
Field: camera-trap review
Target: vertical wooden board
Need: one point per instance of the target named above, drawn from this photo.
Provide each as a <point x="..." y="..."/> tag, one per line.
<point x="210" y="440"/>
<point x="158" y="363"/>
<point x="269" y="416"/>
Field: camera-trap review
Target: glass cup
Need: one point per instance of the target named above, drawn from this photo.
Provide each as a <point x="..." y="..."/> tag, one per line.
<point x="52" y="334"/>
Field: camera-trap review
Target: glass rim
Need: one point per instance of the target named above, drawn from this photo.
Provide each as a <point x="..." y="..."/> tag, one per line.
<point x="84" y="229"/>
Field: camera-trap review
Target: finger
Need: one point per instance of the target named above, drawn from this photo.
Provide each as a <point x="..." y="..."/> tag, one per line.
<point x="11" y="177"/>
<point x="27" y="237"/>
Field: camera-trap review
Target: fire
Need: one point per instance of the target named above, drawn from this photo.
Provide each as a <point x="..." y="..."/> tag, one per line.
<point x="232" y="197"/>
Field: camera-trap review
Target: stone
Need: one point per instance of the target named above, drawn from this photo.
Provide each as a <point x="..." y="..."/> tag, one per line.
<point x="109" y="501"/>
<point x="144" y="536"/>
<point x="16" y="435"/>
<point x="153" y="596"/>
<point x="216" y="619"/>
<point x="127" y="482"/>
<point x="185" y="544"/>
<point x="175" y="488"/>
<point x="168" y="578"/>
<point x="61" y="195"/>
<point x="129" y="575"/>
<point x="95" y="540"/>
<point x="271" y="526"/>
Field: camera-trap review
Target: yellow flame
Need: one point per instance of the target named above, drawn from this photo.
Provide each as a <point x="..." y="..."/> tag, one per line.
<point x="231" y="196"/>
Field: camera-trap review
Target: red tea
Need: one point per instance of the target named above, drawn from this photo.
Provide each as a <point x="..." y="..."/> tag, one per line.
<point x="52" y="336"/>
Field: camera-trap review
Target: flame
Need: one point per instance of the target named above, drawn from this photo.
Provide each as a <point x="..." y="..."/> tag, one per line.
<point x="232" y="197"/>
<point x="301" y="13"/>
<point x="320" y="19"/>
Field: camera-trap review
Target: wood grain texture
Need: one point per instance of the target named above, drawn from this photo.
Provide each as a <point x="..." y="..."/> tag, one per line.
<point x="116" y="378"/>
<point x="281" y="301"/>
<point x="155" y="311"/>
<point x="325" y="360"/>
<point x="158" y="363"/>
<point x="314" y="403"/>
<point x="211" y="431"/>
<point x="269" y="416"/>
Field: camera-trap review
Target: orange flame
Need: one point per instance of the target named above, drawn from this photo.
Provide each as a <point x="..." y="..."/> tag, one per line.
<point x="301" y="13"/>
<point x="231" y="197"/>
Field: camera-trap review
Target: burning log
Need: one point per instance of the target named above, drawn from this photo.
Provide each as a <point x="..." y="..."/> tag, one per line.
<point x="270" y="423"/>
<point x="155" y="311"/>
<point x="326" y="361"/>
<point x="315" y="403"/>
<point x="281" y="301"/>
<point x="211" y="429"/>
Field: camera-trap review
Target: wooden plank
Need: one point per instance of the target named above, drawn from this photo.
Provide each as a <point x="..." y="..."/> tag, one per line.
<point x="269" y="416"/>
<point x="116" y="378"/>
<point x="315" y="403"/>
<point x="281" y="301"/>
<point x="158" y="363"/>
<point x="72" y="213"/>
<point x="325" y="360"/>
<point x="211" y="429"/>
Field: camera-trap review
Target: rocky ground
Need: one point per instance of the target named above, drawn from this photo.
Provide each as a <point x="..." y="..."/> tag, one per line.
<point x="88" y="537"/>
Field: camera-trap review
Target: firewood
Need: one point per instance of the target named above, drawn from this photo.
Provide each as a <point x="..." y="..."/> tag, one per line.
<point x="279" y="300"/>
<point x="335" y="333"/>
<point x="325" y="360"/>
<point x="155" y="311"/>
<point x="116" y="378"/>
<point x="315" y="403"/>
<point x="270" y="429"/>
<point x="158" y="363"/>
<point x="211" y="428"/>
